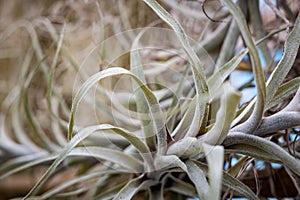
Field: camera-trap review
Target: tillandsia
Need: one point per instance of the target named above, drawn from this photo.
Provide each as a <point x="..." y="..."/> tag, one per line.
<point x="165" y="123"/>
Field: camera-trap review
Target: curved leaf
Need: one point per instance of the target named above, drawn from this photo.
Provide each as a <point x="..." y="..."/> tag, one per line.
<point x="215" y="159"/>
<point x="182" y="187"/>
<point x="197" y="68"/>
<point x="136" y="67"/>
<point x="217" y="79"/>
<point x="291" y="47"/>
<point x="185" y="122"/>
<point x="77" y="180"/>
<point x="186" y="147"/>
<point x="23" y="162"/>
<point x="257" y="113"/>
<point x="117" y="157"/>
<point x="34" y="162"/>
<point x="84" y="133"/>
<point x="290" y="51"/>
<point x="284" y="91"/>
<point x="155" y="111"/>
<point x="232" y="183"/>
<point x="198" y="178"/>
<point x="132" y="187"/>
<point x="265" y="145"/>
<point x="226" y="113"/>
<point x="253" y="152"/>
<point x="168" y="161"/>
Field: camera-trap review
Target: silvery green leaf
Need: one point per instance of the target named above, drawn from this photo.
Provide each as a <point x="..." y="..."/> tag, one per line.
<point x="265" y="145"/>
<point x="182" y="187"/>
<point x="197" y="68"/>
<point x="215" y="159"/>
<point x="290" y="51"/>
<point x="184" y="124"/>
<point x="291" y="47"/>
<point x="198" y="178"/>
<point x="185" y="147"/>
<point x="253" y="152"/>
<point x="132" y="187"/>
<point x="115" y="156"/>
<point x="284" y="91"/>
<point x="226" y="113"/>
<point x="77" y="180"/>
<point x="136" y="67"/>
<point x="154" y="108"/>
<point x="217" y="79"/>
<point x="255" y="117"/>
<point x="80" y="136"/>
<point x="168" y="161"/>
<point x="231" y="183"/>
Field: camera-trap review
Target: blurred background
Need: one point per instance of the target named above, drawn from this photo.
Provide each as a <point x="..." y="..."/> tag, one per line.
<point x="29" y="35"/>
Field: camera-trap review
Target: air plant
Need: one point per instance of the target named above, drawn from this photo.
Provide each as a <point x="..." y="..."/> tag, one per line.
<point x="177" y="150"/>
